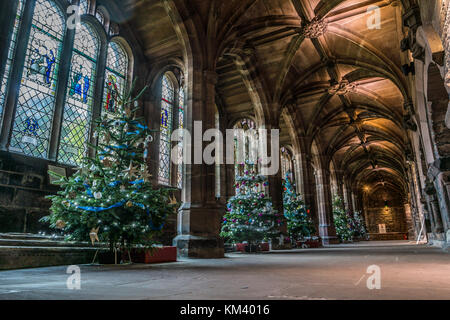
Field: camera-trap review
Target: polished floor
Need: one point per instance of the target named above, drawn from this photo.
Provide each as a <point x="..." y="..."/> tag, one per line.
<point x="407" y="271"/>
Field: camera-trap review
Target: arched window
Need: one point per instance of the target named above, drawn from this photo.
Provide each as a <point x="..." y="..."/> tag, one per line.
<point x="166" y="125"/>
<point x="50" y="121"/>
<point x="10" y="58"/>
<point x="113" y="29"/>
<point x="115" y="76"/>
<point x="180" y="126"/>
<point x="36" y="101"/>
<point x="84" y="7"/>
<point x="79" y="100"/>
<point x="286" y="163"/>
<point x="246" y="144"/>
<point x="100" y="16"/>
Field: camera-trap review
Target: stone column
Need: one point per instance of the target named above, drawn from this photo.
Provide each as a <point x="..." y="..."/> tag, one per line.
<point x="409" y="221"/>
<point x="434" y="206"/>
<point x="275" y="189"/>
<point x="340" y="185"/>
<point x="327" y="230"/>
<point x="299" y="174"/>
<point x="438" y="228"/>
<point x="348" y="198"/>
<point x="309" y="187"/>
<point x="199" y="218"/>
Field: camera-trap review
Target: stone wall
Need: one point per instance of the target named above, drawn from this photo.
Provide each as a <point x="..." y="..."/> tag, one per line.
<point x="392" y="217"/>
<point x="24" y="183"/>
<point x="385" y="207"/>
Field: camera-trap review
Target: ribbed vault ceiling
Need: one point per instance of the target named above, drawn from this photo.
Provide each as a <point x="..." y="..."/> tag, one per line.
<point x="344" y="89"/>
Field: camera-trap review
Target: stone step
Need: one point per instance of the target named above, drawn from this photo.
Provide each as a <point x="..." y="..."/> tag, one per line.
<point x="24" y="250"/>
<point x="28" y="236"/>
<point x="33" y="257"/>
<point x="33" y="240"/>
<point x="43" y="243"/>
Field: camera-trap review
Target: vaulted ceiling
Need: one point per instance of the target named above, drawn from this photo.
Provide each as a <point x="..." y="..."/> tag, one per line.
<point x="317" y="67"/>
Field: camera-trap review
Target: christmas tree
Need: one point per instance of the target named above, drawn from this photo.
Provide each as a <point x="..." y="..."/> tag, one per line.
<point x="111" y="198"/>
<point x="299" y="223"/>
<point x="250" y="215"/>
<point x="360" y="228"/>
<point x="342" y="221"/>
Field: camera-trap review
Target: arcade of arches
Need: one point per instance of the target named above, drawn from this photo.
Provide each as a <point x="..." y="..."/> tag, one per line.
<point x="358" y="89"/>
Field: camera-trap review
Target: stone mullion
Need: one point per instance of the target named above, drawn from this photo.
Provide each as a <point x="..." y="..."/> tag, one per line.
<point x="61" y="91"/>
<point x="16" y="74"/>
<point x="7" y="16"/>
<point x="176" y="125"/>
<point x="327" y="229"/>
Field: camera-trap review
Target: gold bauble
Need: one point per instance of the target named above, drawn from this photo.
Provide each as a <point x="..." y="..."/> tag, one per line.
<point x="60" y="224"/>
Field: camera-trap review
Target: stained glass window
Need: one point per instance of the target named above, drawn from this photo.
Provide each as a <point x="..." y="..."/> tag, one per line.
<point x="115" y="76"/>
<point x="84" y="7"/>
<point x="167" y="101"/>
<point x="245" y="146"/>
<point x="100" y="16"/>
<point x="113" y="29"/>
<point x="79" y="100"/>
<point x="36" y="101"/>
<point x="181" y="126"/>
<point x="12" y="45"/>
<point x="286" y="162"/>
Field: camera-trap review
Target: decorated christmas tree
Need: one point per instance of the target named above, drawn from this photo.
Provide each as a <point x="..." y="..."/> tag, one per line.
<point x="299" y="223"/>
<point x="250" y="215"/>
<point x="110" y="198"/>
<point x="360" y="227"/>
<point x="343" y="221"/>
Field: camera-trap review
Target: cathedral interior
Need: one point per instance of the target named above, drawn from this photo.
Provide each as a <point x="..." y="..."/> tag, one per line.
<point x="358" y="89"/>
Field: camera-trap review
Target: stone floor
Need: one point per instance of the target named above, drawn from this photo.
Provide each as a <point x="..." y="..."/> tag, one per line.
<point x="339" y="272"/>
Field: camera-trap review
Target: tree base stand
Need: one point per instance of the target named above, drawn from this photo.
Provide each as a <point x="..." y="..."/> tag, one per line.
<point x="153" y="255"/>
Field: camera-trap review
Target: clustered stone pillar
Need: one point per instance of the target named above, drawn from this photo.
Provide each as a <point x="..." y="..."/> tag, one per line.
<point x="327" y="230"/>
<point x="316" y="184"/>
<point x="275" y="188"/>
<point x="430" y="190"/>
<point x="199" y="218"/>
<point x="309" y="186"/>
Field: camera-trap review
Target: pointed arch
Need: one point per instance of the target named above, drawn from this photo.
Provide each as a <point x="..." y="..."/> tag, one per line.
<point x="166" y="128"/>
<point x="79" y="104"/>
<point x="117" y="75"/>
<point x="10" y="56"/>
